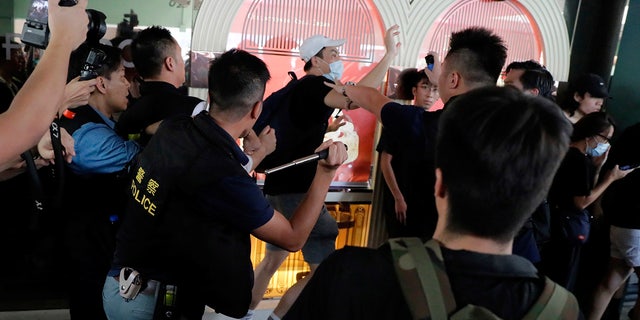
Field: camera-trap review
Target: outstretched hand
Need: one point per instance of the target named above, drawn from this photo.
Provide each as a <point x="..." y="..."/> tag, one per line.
<point x="76" y="93"/>
<point x="339" y="88"/>
<point x="338" y="122"/>
<point x="68" y="24"/>
<point x="616" y="173"/>
<point x="391" y="45"/>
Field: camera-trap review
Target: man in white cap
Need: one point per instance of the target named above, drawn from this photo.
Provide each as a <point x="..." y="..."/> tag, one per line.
<point x="311" y="105"/>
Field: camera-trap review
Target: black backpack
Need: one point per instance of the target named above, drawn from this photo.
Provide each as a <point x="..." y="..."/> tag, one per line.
<point x="276" y="113"/>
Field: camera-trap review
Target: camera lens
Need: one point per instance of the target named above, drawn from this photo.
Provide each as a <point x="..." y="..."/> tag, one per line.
<point x="97" y="25"/>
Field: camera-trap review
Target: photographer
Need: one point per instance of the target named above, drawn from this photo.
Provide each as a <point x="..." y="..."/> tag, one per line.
<point x="96" y="178"/>
<point x="37" y="103"/>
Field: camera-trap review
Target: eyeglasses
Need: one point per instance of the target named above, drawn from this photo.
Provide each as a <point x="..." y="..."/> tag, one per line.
<point x="603" y="137"/>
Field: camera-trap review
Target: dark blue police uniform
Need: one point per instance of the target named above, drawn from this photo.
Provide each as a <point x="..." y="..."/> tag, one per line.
<point x="190" y="213"/>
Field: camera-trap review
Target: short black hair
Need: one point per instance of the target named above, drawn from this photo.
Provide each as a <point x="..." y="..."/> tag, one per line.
<point x="237" y="80"/>
<point x="478" y="54"/>
<point x="113" y="60"/>
<point x="524" y="65"/>
<point x="540" y="79"/>
<point x="498" y="150"/>
<point x="591" y="125"/>
<point x="149" y="49"/>
<point x="535" y="76"/>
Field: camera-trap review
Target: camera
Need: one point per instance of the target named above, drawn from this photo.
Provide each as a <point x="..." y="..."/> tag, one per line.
<point x="36" y="29"/>
<point x="95" y="60"/>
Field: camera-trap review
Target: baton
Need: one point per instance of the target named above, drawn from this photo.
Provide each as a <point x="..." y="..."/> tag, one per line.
<point x="322" y="154"/>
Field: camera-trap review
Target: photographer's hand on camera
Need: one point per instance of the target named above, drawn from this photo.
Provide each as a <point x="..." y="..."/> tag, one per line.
<point x="41" y="97"/>
<point x="68" y="25"/>
<point x="76" y="93"/>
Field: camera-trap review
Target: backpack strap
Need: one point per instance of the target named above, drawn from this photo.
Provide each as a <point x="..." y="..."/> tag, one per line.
<point x="555" y="302"/>
<point x="422" y="277"/>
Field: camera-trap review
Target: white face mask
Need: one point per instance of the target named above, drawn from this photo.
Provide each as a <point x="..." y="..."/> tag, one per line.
<point x="337" y="68"/>
<point x="600" y="149"/>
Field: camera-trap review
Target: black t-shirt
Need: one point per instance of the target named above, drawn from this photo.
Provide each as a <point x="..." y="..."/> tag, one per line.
<point x="159" y="101"/>
<point x="361" y="283"/>
<point x="412" y="132"/>
<point x="414" y="177"/>
<point x="574" y="178"/>
<point x="310" y="115"/>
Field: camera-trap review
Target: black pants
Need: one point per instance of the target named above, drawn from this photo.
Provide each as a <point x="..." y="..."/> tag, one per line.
<point x="560" y="262"/>
<point x="90" y="246"/>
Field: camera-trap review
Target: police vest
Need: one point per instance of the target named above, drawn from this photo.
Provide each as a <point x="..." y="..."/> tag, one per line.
<point x="169" y="237"/>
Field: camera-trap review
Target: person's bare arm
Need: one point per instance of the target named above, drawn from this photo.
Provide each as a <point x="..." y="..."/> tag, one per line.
<point x="152" y="128"/>
<point x="374" y="77"/>
<point x="392" y="183"/>
<point x="36" y="104"/>
<point x="12" y="168"/>
<point x="292" y="234"/>
<point x="76" y="93"/>
<point x="367" y="98"/>
<point x="583" y="202"/>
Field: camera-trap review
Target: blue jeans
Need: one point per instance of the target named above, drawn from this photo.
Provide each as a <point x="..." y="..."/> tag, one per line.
<point x="322" y="240"/>
<point x="117" y="308"/>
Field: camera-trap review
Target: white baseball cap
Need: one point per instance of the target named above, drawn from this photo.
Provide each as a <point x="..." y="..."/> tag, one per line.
<point x="311" y="46"/>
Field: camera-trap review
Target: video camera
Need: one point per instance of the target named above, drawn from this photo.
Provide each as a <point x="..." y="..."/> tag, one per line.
<point x="36" y="29"/>
<point x="95" y="60"/>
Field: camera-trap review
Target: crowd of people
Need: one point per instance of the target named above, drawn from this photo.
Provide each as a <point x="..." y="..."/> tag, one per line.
<point x="511" y="191"/>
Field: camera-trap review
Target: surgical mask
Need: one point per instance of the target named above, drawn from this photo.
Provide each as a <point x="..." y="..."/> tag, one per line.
<point x="600" y="149"/>
<point x="337" y="68"/>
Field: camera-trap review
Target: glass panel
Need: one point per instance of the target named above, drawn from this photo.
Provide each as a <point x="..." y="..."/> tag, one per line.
<point x="508" y="19"/>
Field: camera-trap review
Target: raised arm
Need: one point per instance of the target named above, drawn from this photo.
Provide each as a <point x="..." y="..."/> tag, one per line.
<point x="374" y="77"/>
<point x="36" y="104"/>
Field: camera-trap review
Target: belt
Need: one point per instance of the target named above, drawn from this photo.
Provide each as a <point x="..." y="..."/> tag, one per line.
<point x="150" y="286"/>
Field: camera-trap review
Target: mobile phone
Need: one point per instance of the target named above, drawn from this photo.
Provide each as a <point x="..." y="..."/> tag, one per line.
<point x="629" y="166"/>
<point x="430" y="61"/>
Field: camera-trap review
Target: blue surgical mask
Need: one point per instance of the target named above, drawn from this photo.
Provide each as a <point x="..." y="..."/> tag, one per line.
<point x="600" y="149"/>
<point x="337" y="68"/>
